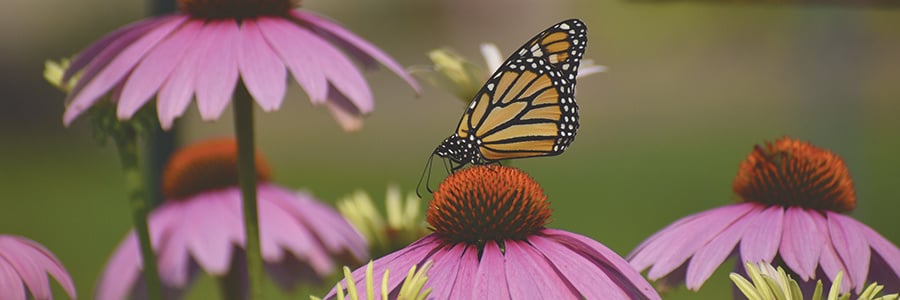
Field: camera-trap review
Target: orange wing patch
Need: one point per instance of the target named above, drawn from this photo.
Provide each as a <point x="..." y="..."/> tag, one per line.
<point x="506" y="80"/>
<point x="481" y="108"/>
<point x="501" y="115"/>
<point x="524" y="80"/>
<point x="523" y="130"/>
<point x="548" y="113"/>
<point x="557" y="46"/>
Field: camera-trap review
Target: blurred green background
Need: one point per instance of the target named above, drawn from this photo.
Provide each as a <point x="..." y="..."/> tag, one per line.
<point x="691" y="87"/>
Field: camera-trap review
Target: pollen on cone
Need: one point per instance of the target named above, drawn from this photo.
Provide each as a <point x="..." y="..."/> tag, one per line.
<point x="485" y="203"/>
<point x="790" y="172"/>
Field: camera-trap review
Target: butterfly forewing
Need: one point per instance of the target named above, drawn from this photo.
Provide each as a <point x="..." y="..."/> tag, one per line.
<point x="527" y="108"/>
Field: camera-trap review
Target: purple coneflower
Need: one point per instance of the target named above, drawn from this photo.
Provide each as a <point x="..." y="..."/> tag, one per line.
<point x="489" y="242"/>
<point x="203" y="50"/>
<point x="200" y="225"/>
<point x="24" y="265"/>
<point x="792" y="197"/>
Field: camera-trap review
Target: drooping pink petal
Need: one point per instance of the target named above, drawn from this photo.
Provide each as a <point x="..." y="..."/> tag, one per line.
<point x="22" y="259"/>
<point x="829" y="261"/>
<point x="347" y="115"/>
<point x="887" y="250"/>
<point x="356" y="41"/>
<point x="681" y="244"/>
<point x="403" y="259"/>
<point x="851" y="246"/>
<point x="162" y="222"/>
<point x="10" y="282"/>
<point x="590" y="281"/>
<point x="103" y="50"/>
<point x="121" y="272"/>
<point x="173" y="259"/>
<point x="468" y="267"/>
<point x="648" y="252"/>
<point x="530" y="276"/>
<point x="113" y="73"/>
<point x="262" y="71"/>
<point x="289" y="41"/>
<point x="403" y="263"/>
<point x="154" y="69"/>
<point x="442" y="275"/>
<point x="708" y="258"/>
<point x="358" y="54"/>
<point x="209" y="243"/>
<point x="51" y="265"/>
<point x="328" y="226"/>
<point x="283" y="231"/>
<point x="626" y="277"/>
<point x="801" y="242"/>
<point x="217" y="73"/>
<point x="490" y="279"/>
<point x="760" y="242"/>
<point x="639" y="257"/>
<point x="176" y="93"/>
<point x="880" y="271"/>
<point x="344" y="76"/>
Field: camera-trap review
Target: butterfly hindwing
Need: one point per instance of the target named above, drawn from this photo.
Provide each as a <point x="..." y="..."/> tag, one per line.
<point x="527" y="108"/>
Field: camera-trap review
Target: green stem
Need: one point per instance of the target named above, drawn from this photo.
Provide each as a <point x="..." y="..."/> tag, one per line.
<point x="243" y="127"/>
<point x="140" y="206"/>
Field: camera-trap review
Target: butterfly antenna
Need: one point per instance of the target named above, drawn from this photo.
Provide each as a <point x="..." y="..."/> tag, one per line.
<point x="425" y="173"/>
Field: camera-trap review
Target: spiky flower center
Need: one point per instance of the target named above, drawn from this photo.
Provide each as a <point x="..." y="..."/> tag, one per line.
<point x="204" y="166"/>
<point x="488" y="203"/>
<point x="236" y="9"/>
<point x="789" y="172"/>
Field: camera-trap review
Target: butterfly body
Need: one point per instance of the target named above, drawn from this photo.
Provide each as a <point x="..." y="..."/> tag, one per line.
<point x="527" y="107"/>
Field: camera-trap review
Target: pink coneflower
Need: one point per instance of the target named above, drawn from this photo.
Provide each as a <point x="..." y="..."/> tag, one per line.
<point x="203" y="50"/>
<point x="24" y="265"/>
<point x="200" y="225"/>
<point x="489" y="242"/>
<point x="792" y="196"/>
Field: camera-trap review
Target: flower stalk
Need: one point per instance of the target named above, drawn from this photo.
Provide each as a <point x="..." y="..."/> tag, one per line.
<point x="243" y="127"/>
<point x="127" y="145"/>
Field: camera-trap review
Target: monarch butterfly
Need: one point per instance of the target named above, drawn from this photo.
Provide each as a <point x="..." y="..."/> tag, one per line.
<point x="527" y="107"/>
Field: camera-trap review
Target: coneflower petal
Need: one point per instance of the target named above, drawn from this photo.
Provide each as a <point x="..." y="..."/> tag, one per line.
<point x="262" y="71"/>
<point x="763" y="236"/>
<point x="362" y="45"/>
<point x="490" y="280"/>
<point x="630" y="281"/>
<point x="692" y="236"/>
<point x="113" y="73"/>
<point x="468" y="267"/>
<point x="146" y="79"/>
<point x="445" y="272"/>
<point x="829" y="260"/>
<point x="852" y="248"/>
<point x="103" y="50"/>
<point x="708" y="258"/>
<point x="591" y="282"/>
<point x="176" y="93"/>
<point x="217" y="72"/>
<point x="289" y="41"/>
<point x="210" y="243"/>
<point x="10" y="283"/>
<point x="523" y="262"/>
<point x="801" y="243"/>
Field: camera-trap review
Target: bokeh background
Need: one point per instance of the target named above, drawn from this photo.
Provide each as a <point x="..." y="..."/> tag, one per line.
<point x="691" y="87"/>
